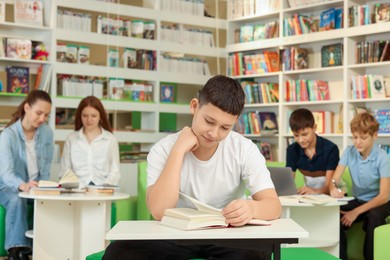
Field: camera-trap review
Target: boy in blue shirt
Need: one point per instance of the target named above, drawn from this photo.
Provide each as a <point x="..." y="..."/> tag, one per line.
<point x="315" y="157"/>
<point x="369" y="167"/>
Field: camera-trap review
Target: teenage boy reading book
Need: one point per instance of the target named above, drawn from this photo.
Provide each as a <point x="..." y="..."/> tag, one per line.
<point x="315" y="157"/>
<point x="211" y="163"/>
<point x="369" y="167"/>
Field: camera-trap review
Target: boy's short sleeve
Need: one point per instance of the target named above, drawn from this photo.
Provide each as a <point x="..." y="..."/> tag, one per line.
<point x="346" y="156"/>
<point x="292" y="157"/>
<point x="333" y="158"/>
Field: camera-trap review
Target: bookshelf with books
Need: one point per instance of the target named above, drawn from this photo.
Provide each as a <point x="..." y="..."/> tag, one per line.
<point x="165" y="37"/>
<point x="25" y="50"/>
<point x="331" y="65"/>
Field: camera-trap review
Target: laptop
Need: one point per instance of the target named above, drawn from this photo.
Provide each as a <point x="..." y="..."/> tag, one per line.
<point x="283" y="180"/>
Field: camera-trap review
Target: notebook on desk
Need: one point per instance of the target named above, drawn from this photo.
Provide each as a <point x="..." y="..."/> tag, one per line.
<point x="283" y="180"/>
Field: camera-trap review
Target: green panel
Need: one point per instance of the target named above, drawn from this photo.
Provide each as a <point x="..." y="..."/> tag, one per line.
<point x="142" y="210"/>
<point x="168" y="122"/>
<point x="3" y="252"/>
<point x="136" y="120"/>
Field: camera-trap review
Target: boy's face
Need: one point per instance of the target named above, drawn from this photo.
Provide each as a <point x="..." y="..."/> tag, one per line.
<point x="210" y="124"/>
<point x="305" y="137"/>
<point x="363" y="142"/>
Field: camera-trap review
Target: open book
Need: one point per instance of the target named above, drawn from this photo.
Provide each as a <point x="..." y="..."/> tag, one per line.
<point x="67" y="182"/>
<point x="317" y="199"/>
<point x="203" y="217"/>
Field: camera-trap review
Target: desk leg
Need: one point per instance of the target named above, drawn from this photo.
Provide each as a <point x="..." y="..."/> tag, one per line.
<point x="53" y="230"/>
<point x="93" y="222"/>
<point x="69" y="230"/>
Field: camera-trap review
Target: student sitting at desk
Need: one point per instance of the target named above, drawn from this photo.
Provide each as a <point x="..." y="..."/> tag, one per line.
<point x="92" y="151"/>
<point x="369" y="167"/>
<point x="212" y="164"/>
<point x="315" y="157"/>
<point x="26" y="148"/>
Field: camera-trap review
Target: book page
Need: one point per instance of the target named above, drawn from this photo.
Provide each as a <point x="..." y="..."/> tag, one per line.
<point x="47" y="184"/>
<point x="209" y="209"/>
<point x="202" y="206"/>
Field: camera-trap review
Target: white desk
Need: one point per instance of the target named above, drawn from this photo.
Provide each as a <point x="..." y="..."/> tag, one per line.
<point x="321" y="221"/>
<point x="263" y="238"/>
<point x="72" y="225"/>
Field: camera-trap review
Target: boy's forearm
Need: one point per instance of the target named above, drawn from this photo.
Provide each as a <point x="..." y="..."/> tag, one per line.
<point x="374" y="203"/>
<point x="267" y="208"/>
<point x="164" y="193"/>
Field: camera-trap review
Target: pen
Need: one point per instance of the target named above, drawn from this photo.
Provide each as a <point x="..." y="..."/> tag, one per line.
<point x="335" y="184"/>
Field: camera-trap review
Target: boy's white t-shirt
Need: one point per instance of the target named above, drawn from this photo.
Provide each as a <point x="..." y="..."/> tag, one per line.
<point x="237" y="164"/>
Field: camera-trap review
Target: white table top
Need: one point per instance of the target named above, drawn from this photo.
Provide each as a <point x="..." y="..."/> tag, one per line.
<point x="294" y="202"/>
<point x="147" y="230"/>
<point x="77" y="196"/>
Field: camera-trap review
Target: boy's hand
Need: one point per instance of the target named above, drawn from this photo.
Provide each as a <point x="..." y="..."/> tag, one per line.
<point x="187" y="140"/>
<point x="306" y="190"/>
<point x="336" y="193"/>
<point x="348" y="217"/>
<point x="237" y="213"/>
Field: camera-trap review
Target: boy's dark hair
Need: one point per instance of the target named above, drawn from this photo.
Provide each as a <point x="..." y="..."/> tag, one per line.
<point x="224" y="93"/>
<point x="300" y="119"/>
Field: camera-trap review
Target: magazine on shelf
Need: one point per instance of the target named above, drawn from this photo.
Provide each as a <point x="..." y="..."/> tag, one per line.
<point x="29" y="12"/>
<point x="332" y="55"/>
<point x="18" y="79"/>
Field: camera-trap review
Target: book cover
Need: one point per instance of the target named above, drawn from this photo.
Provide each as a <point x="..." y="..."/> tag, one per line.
<point x="29" y="12"/>
<point x="167" y="93"/>
<point x="18" y="79"/>
<point x="18" y="48"/>
<point x="327" y="20"/>
<point x="259" y="32"/>
<point x="268" y="121"/>
<point x="246" y="33"/>
<point x="376" y="86"/>
<point x="300" y="58"/>
<point x="116" y="89"/>
<point x="382" y="13"/>
<point x="383" y="118"/>
<point x="332" y="55"/>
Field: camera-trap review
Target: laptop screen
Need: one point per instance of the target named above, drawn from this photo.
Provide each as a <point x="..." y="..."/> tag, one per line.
<point x="283" y="180"/>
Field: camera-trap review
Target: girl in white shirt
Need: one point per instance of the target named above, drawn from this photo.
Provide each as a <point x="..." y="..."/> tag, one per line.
<point x="92" y="151"/>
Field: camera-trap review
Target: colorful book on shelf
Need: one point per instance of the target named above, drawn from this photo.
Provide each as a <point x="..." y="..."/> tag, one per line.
<point x="327" y="19"/>
<point x="300" y="58"/>
<point x="18" y="79"/>
<point x="246" y="33"/>
<point x="272" y="61"/>
<point x="168" y="92"/>
<point x="29" y="12"/>
<point x="18" y="48"/>
<point x="376" y="86"/>
<point x="385" y="54"/>
<point x="383" y="118"/>
<point x="203" y="217"/>
<point x="382" y="12"/>
<point x="324" y="121"/>
<point x="268" y="121"/>
<point x="332" y="55"/>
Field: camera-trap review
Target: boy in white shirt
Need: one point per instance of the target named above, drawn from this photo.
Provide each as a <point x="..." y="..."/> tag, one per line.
<point x="212" y="164"/>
